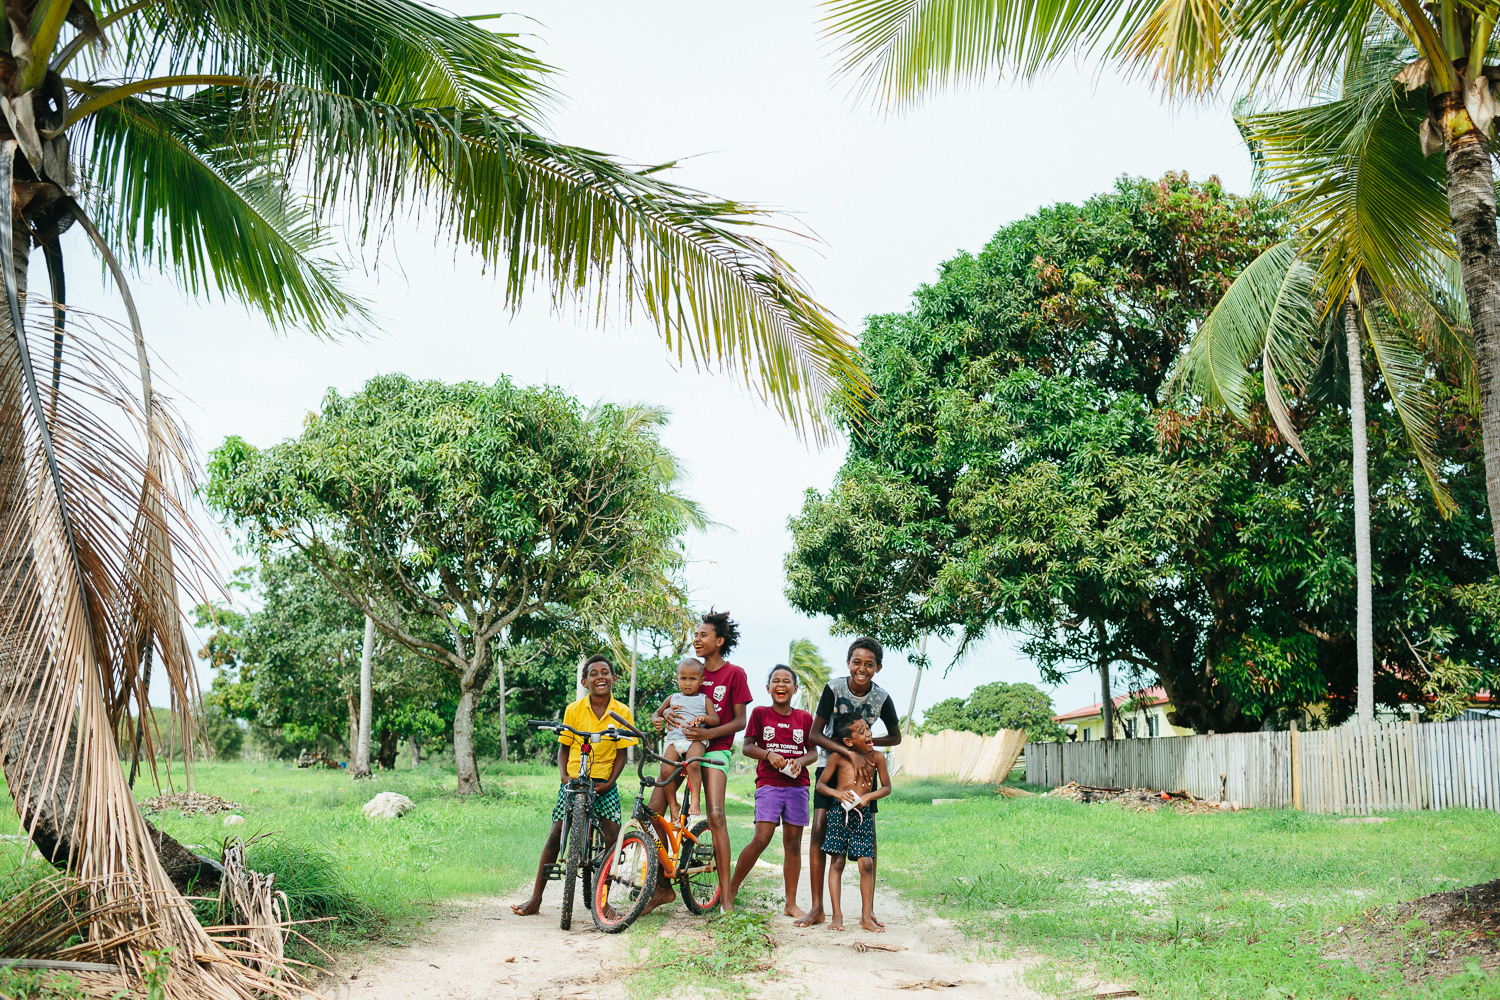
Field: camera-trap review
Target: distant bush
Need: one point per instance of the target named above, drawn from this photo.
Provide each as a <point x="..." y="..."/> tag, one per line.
<point x="993" y="707"/>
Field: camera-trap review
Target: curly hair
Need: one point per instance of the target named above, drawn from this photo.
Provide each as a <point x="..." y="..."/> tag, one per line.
<point x="725" y="628"/>
<point x="870" y="645"/>
<point x="583" y="673"/>
<point x="782" y="666"/>
<point x="843" y="725"/>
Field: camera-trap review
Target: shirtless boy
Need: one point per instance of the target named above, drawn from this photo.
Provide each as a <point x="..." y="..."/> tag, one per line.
<point x="850" y="832"/>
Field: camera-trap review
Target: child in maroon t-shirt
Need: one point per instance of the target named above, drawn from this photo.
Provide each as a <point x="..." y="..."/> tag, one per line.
<point x="780" y="738"/>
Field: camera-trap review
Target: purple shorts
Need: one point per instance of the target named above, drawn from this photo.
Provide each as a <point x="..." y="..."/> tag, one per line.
<point x="776" y="804"/>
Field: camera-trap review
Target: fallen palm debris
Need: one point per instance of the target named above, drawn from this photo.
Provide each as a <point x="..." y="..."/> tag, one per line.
<point x="1140" y="799"/>
<point x="189" y="804"/>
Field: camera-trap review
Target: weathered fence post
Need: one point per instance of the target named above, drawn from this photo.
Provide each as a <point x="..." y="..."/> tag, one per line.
<point x="1296" y="771"/>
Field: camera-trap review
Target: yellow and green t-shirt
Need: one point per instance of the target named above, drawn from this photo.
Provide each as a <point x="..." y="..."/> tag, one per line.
<point x="580" y="715"/>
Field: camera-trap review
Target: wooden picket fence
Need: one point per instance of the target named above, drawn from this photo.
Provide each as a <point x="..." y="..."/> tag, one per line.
<point x="1352" y="769"/>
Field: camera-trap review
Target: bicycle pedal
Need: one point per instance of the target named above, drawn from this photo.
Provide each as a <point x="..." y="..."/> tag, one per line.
<point x="554" y="872"/>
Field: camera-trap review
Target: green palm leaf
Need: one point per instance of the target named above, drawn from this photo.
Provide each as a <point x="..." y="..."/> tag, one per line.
<point x="811" y="669"/>
<point x="171" y="193"/>
<point x="1266" y="315"/>
<point x="396" y="51"/>
<point x="592" y="229"/>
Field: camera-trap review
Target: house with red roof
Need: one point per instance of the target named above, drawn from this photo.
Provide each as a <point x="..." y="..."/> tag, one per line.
<point x="1138" y="715"/>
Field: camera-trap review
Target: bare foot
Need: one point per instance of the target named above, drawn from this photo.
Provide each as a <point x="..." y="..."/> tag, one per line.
<point x="837" y="923"/>
<point x="872" y="925"/>
<point x="815" y="916"/>
<point x="526" y="909"/>
<point x="664" y="894"/>
<point x="792" y="910"/>
<point x="876" y="921"/>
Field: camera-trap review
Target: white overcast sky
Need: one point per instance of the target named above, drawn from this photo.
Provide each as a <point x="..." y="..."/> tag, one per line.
<point x="744" y="92"/>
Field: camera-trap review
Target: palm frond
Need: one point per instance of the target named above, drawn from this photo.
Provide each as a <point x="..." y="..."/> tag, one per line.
<point x="1268" y="314"/>
<point x="595" y="231"/>
<point x="1356" y="187"/>
<point x="1404" y="371"/>
<point x="172" y="193"/>
<point x="811" y="670"/>
<point x="399" y="52"/>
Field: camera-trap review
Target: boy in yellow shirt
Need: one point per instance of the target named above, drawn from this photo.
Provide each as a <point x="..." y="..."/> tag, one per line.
<point x="589" y="714"/>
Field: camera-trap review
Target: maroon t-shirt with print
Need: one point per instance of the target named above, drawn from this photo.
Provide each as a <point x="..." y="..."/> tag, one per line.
<point x="787" y="735"/>
<point x="725" y="688"/>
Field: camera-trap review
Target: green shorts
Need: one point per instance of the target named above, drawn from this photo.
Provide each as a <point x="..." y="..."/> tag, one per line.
<point x="606" y="806"/>
<point x="718" y="759"/>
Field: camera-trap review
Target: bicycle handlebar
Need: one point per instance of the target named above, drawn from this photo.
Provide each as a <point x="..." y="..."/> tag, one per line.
<point x="648" y="755"/>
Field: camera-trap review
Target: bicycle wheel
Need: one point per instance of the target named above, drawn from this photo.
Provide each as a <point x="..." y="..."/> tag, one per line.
<point x="593" y="857"/>
<point x="699" y="881"/>
<point x="578" y="831"/>
<point x="627" y="880"/>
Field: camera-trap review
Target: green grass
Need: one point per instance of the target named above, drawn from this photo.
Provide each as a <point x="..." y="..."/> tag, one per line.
<point x="1192" y="907"/>
<point x="731" y="946"/>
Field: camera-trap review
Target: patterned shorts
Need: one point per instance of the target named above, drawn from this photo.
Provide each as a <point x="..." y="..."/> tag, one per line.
<point x="606" y="806"/>
<point x="853" y="838"/>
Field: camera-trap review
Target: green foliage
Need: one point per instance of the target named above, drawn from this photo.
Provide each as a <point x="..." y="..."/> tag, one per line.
<point x="812" y="671"/>
<point x="1022" y="469"/>
<point x="996" y="706"/>
<point x="224" y="735"/>
<point x="1239" y="906"/>
<point x="741" y="944"/>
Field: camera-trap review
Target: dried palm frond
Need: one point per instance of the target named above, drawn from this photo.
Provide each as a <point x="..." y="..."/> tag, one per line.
<point x="88" y="530"/>
<point x="252" y="899"/>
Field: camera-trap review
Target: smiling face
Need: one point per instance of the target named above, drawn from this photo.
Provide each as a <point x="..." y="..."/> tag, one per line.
<point x="862" y="669"/>
<point x="706" y="641"/>
<point x="599" y="679"/>
<point x="689" y="678"/>
<point x="781" y="687"/>
<point x="859" y="737"/>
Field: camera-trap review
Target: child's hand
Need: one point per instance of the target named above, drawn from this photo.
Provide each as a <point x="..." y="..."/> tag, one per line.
<point x="775" y="759"/>
<point x="853" y="798"/>
<point x="794" y="768"/>
<point x="659" y="723"/>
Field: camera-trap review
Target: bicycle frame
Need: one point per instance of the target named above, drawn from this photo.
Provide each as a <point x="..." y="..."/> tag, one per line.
<point x="668" y="834"/>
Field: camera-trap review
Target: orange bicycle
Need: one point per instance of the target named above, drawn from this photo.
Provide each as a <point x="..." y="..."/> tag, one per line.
<point x="652" y="848"/>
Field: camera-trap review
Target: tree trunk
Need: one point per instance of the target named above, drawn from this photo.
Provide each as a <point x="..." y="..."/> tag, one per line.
<point x="1107" y="702"/>
<point x="470" y="686"/>
<point x="416" y="751"/>
<point x="1364" y="629"/>
<point x="635" y="655"/>
<point x="1471" y="208"/>
<point x="504" y="733"/>
<point x="359" y="766"/>
<point x="23" y="705"/>
<point x="351" y="702"/>
<point x="911" y="706"/>
<point x="386" y="757"/>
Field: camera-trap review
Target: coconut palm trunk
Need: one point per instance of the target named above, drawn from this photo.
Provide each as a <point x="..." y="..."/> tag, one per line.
<point x="1471" y="206"/>
<point x="1364" y="626"/>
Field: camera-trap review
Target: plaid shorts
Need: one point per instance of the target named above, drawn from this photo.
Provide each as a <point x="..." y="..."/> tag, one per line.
<point x="851" y="839"/>
<point x="606" y="806"/>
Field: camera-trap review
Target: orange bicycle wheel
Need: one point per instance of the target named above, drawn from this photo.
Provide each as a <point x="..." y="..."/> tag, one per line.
<point x="626" y="881"/>
<point x="698" y="871"/>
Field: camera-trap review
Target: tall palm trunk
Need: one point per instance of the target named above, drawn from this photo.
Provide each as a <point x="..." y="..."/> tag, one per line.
<point x="1107" y="702"/>
<point x="504" y="735"/>
<point x="360" y="768"/>
<point x="911" y="706"/>
<point x="47" y="807"/>
<point x="1364" y="626"/>
<point x="1471" y="208"/>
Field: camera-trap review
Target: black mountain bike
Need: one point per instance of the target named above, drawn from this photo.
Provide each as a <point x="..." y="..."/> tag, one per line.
<point x="582" y="844"/>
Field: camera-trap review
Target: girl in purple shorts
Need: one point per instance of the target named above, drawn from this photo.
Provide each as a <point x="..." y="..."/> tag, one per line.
<point x="780" y="738"/>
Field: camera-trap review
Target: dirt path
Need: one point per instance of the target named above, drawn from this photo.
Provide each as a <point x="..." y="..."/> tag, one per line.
<point x="482" y="950"/>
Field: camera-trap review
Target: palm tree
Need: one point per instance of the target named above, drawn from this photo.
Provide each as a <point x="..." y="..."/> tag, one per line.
<point x="901" y="50"/>
<point x="811" y="669"/>
<point x="1336" y="159"/>
<point x="223" y="141"/>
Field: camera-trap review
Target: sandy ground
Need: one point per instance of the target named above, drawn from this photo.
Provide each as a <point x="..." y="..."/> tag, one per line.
<point x="482" y="950"/>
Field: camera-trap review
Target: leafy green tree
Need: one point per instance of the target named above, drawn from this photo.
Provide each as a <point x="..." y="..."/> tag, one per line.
<point x="992" y="707"/>
<point x="290" y="667"/>
<point x="1022" y="454"/>
<point x="475" y="513"/>
<point x="904" y="51"/>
